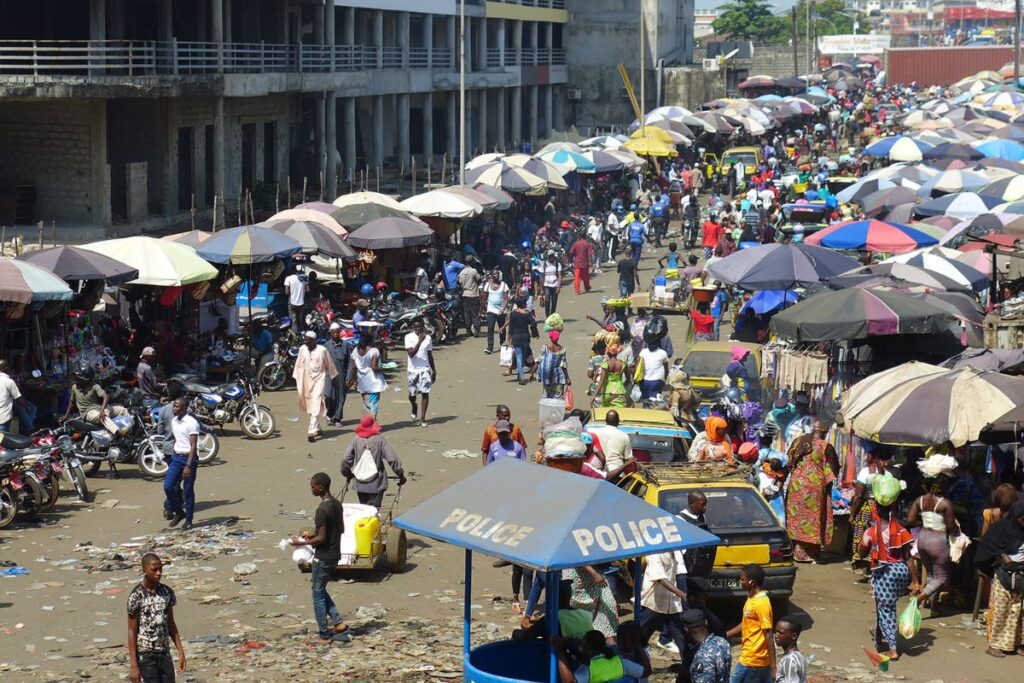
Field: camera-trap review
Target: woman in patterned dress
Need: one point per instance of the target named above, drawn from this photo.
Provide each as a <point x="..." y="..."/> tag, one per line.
<point x="813" y="468"/>
<point x="591" y="593"/>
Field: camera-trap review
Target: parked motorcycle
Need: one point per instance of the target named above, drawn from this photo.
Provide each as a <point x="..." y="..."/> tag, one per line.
<point x="63" y="460"/>
<point x="25" y="485"/>
<point x="234" y="401"/>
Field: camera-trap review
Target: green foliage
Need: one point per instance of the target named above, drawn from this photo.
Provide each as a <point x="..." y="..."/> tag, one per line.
<point x="750" y="20"/>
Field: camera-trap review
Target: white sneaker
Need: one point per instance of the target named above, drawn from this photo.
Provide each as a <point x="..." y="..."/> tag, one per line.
<point x="413" y="417"/>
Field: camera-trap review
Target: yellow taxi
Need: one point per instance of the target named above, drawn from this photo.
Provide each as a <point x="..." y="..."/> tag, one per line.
<point x="750" y="157"/>
<point x="705" y="363"/>
<point x="750" y="532"/>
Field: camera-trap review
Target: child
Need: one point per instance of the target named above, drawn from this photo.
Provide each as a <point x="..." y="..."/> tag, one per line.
<point x="771" y="481"/>
<point x="792" y="666"/>
<point x="671" y="259"/>
<point x="891" y="574"/>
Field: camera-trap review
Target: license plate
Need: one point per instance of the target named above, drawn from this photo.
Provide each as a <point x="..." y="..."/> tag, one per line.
<point x="75" y="462"/>
<point x="731" y="584"/>
<point x="16" y="483"/>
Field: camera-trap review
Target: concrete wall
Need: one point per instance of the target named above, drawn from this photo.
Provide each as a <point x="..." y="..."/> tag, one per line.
<point x="49" y="143"/>
<point x="689" y="87"/>
<point x="775" y="61"/>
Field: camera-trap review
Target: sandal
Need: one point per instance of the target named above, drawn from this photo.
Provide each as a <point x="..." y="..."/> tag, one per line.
<point x="992" y="652"/>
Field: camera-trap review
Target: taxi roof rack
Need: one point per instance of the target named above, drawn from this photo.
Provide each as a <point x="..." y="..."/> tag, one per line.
<point x="689" y="472"/>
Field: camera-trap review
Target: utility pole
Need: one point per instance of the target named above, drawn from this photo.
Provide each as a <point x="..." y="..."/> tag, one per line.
<point x="643" y="72"/>
<point x="814" y="42"/>
<point x="1016" y="50"/>
<point x="462" y="92"/>
<point x="810" y="66"/>
<point x="796" y="45"/>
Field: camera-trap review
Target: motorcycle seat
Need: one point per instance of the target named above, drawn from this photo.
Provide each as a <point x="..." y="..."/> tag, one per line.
<point x="16" y="441"/>
<point x="11" y="456"/>
<point x="80" y="425"/>
<point x="197" y="388"/>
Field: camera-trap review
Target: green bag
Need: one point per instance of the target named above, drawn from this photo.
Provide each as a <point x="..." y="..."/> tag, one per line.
<point x="910" y="620"/>
<point x="885" y="488"/>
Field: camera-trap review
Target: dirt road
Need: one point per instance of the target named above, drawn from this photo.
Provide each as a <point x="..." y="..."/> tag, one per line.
<point x="66" y="619"/>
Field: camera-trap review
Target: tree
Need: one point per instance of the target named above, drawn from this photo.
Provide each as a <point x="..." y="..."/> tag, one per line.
<point x="828" y="16"/>
<point x="750" y="20"/>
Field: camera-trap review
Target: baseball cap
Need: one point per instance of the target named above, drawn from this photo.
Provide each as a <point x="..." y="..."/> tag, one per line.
<point x="502" y="426"/>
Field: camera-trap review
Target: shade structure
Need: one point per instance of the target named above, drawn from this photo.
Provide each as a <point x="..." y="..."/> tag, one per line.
<point x="715" y="120"/>
<point x="391" y="233"/>
<point x="999" y="360"/>
<point x="506" y="177"/>
<point x="484" y="159"/>
<point x="566" y="161"/>
<point x="898" y="148"/>
<point x="604" y="141"/>
<point x="680" y="132"/>
<point x="484" y="199"/>
<point x="248" y="244"/>
<point x="560" y="144"/>
<point x="886" y="199"/>
<point x="1007" y="100"/>
<point x="858" y="313"/>
<point x="893" y="275"/>
<point x="935" y="408"/>
<point x="322" y="216"/>
<point x="780" y="266"/>
<point x="504" y="200"/>
<point x="354" y="216"/>
<point x="357" y="198"/>
<point x="791" y="82"/>
<point x="604" y="162"/>
<point x="960" y="273"/>
<point x="959" y="204"/>
<point x="1008" y="189"/>
<point x="74" y="263"/>
<point x="953" y="150"/>
<point x="442" y="205"/>
<point x="669" y="112"/>
<point x="1002" y="149"/>
<point x="871" y="235"/>
<point x="161" y="263"/>
<point x="950" y="181"/>
<point x="863" y="187"/>
<point x="757" y="82"/>
<point x="770" y="300"/>
<point x="862" y="394"/>
<point x="1006" y="428"/>
<point x="987" y="224"/>
<point x="650" y="147"/>
<point x="22" y="283"/>
<point x="571" y="520"/>
<point x="539" y="168"/>
<point x="192" y="238"/>
<point x="313" y="238"/>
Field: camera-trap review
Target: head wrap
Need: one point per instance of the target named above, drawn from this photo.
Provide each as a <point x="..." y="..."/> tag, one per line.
<point x="554" y="335"/>
<point x="614" y="349"/>
<point x="715" y="428"/>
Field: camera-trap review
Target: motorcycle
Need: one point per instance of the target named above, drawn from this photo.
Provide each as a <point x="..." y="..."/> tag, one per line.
<point x="63" y="461"/>
<point x="274" y="374"/>
<point x="235" y="401"/>
<point x="27" y="484"/>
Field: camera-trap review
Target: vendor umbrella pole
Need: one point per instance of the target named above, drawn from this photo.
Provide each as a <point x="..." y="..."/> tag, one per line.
<point x="53" y="232"/>
<point x="467" y="600"/>
<point x="305" y="185"/>
<point x="41" y="226"/>
<point x="289" y="183"/>
<point x="277" y="198"/>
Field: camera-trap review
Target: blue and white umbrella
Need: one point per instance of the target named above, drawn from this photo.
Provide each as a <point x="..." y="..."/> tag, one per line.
<point x="1003" y="149"/>
<point x="898" y="148"/>
<point x="567" y="161"/>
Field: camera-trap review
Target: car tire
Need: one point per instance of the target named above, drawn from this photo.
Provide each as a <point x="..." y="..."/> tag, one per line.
<point x="780" y="607"/>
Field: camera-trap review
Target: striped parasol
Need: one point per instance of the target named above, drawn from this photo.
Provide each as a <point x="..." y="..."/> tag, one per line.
<point x="246" y="245"/>
<point x="23" y="283"/>
<point x="932" y="408"/>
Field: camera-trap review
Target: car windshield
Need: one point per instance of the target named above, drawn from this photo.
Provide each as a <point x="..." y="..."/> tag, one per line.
<point x="804" y="214"/>
<point x="712" y="363"/>
<point x="747" y="158"/>
<point x="728" y="508"/>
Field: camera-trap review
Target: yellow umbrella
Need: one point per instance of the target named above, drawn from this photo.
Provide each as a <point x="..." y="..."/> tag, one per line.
<point x="654" y="133"/>
<point x="649" y="147"/>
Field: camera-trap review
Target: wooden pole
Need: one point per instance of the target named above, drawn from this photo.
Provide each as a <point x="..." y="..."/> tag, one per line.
<point x="429" y="181"/>
<point x="192" y="211"/>
<point x="238" y="206"/>
<point x="444" y="166"/>
<point x="215" y="198"/>
<point x="321" y="185"/>
<point x="53" y="232"/>
<point x="41" y="226"/>
<point x="277" y="197"/>
<point x="305" y="185"/>
<point x="3" y="240"/>
<point x="414" y="175"/>
<point x="401" y="177"/>
<point x="289" y="202"/>
<point x="378" y="179"/>
<point x="252" y="214"/>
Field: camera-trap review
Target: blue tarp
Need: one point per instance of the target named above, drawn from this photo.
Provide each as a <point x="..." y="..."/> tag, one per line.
<point x="547" y="519"/>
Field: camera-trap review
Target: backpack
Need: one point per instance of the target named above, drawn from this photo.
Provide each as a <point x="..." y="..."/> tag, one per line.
<point x="365" y="467"/>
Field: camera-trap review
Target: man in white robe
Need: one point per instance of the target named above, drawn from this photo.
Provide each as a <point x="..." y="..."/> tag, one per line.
<point x="313" y="368"/>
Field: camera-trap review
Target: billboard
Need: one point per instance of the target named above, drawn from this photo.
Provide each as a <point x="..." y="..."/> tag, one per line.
<point x="863" y="44"/>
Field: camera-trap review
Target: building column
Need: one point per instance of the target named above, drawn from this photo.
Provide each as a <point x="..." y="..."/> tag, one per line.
<point x="534" y="113"/>
<point x="218" y="159"/>
<point x="468" y="37"/>
<point x="453" y="124"/>
<point x="99" y="190"/>
<point x="481" y="115"/>
<point x="378" y="130"/>
<point x="350" y="138"/>
<point x="517" y="114"/>
<point x="349" y="33"/>
<point x="403" y="37"/>
<point x="501" y="42"/>
<point x="549" y="109"/>
<point x="534" y="39"/>
<point x="319" y="135"/>
<point x="329" y="37"/>
<point x="481" y="43"/>
<point x="318" y="27"/>
<point x="217" y="30"/>
<point x="499" y="117"/>
<point x="164" y="21"/>
<point x="559" y="115"/>
<point x="452" y="41"/>
<point x="333" y="158"/>
<point x="378" y="38"/>
<point x="428" y="128"/>
<point x="517" y="40"/>
<point x="97" y="28"/>
<point x="402" y="102"/>
<point x="428" y="38"/>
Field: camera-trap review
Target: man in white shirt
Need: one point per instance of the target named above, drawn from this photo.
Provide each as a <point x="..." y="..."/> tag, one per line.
<point x="618" y="453"/>
<point x="181" y="470"/>
<point x="9" y="394"/>
<point x="661" y="599"/>
<point x="295" y="288"/>
<point x="420" y="372"/>
<point x="612" y="227"/>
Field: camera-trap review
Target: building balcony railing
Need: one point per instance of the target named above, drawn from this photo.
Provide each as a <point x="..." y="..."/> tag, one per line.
<point x="91" y="58"/>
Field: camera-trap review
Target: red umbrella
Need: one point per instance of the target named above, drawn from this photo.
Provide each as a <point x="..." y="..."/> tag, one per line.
<point x="871" y="235"/>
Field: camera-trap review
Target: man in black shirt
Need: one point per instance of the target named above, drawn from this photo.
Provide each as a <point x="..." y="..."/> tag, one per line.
<point x="326" y="543"/>
<point x="629" y="278"/>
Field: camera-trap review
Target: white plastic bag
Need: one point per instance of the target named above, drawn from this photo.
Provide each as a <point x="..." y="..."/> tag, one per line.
<point x="505" y="357"/>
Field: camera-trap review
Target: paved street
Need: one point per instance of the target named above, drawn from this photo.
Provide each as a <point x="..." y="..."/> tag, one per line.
<point x="66" y="619"/>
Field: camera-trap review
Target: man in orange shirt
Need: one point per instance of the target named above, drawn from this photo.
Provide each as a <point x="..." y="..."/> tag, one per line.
<point x="756" y="663"/>
<point x="491" y="435"/>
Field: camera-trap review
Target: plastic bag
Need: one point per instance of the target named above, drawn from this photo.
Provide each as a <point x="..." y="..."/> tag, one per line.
<point x="554" y="322"/>
<point x="505" y="357"/>
<point x="655" y="329"/>
<point x="635" y="395"/>
<point x="910" y="620"/>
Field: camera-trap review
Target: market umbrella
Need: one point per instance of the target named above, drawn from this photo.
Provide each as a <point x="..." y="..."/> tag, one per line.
<point x="1005" y="190"/>
<point x="871" y="235"/>
<point x="488" y="202"/>
<point x="484" y="159"/>
<point x="1007" y="100"/>
<point x="320" y="216"/>
<point x="161" y="263"/>
<point x="676" y="128"/>
<point x="23" y="283"/>
<point x="192" y="238"/>
<point x="560" y="144"/>
<point x="935" y="408"/>
<point x="780" y="266"/>
<point x="893" y="274"/>
<point x="604" y="141"/>
<point x="354" y="216"/>
<point x="901" y="213"/>
<point x="960" y="273"/>
<point x="668" y="112"/>
<point x="1002" y="149"/>
<point x="1006" y="428"/>
<point x="950" y="181"/>
<point x="322" y="207"/>
<point x="858" y="313"/>
<point x="442" y="205"/>
<point x="506" y="177"/>
<point x="791" y="82"/>
<point x="665" y="135"/>
<point x="391" y="233"/>
<point x="715" y="121"/>
<point x="960" y="204"/>
<point x="74" y="263"/>
<point x="314" y="238"/>
<point x="566" y="161"/>
<point x="503" y="200"/>
<point x="770" y="300"/>
<point x="898" y="148"/>
<point x="862" y="188"/>
<point x="366" y="197"/>
<point x="248" y="244"/>
<point x="885" y="199"/>
<point x="539" y="168"/>
<point x="865" y="392"/>
<point x="757" y="82"/>
<point x="953" y="150"/>
<point x="651" y="147"/>
<point x="1000" y="360"/>
<point x="604" y="162"/>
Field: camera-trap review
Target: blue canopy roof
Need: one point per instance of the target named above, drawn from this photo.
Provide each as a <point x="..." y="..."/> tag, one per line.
<point x="547" y="519"/>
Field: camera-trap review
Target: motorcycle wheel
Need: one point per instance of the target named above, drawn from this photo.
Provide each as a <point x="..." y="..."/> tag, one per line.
<point x="8" y="506"/>
<point x="272" y="377"/>
<point x="151" y="459"/>
<point x="257" y="422"/>
<point x="32" y="497"/>
<point x="78" y="479"/>
<point x="207" y="447"/>
<point x="51" y="489"/>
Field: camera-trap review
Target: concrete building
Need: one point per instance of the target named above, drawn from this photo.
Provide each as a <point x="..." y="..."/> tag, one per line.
<point x="602" y="34"/>
<point x="126" y="111"/>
